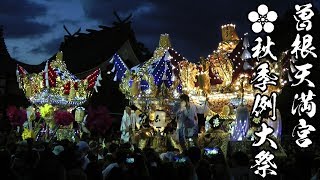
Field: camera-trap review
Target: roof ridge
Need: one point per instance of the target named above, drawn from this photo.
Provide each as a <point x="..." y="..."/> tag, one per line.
<point x="3" y="46"/>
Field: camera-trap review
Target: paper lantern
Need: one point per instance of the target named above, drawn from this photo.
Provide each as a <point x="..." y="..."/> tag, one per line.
<point x="242" y="124"/>
<point x="160" y="119"/>
<point x="276" y="125"/>
<point x="246" y="66"/>
<point x="246" y="43"/>
<point x="245" y="55"/>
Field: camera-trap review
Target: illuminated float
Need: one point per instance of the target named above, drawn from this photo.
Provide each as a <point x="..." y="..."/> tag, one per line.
<point x="55" y="93"/>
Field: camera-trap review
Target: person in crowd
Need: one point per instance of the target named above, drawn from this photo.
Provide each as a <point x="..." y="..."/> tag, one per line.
<point x="154" y="161"/>
<point x="186" y="169"/>
<point x="83" y="149"/>
<point x="140" y="168"/>
<point x="22" y="163"/>
<point x="94" y="168"/>
<point x="170" y="171"/>
<point x="118" y="169"/>
<point x="194" y="154"/>
<point x="49" y="164"/>
<point x="239" y="166"/>
<point x="315" y="171"/>
<point x="76" y="172"/>
<point x="6" y="172"/>
<point x="203" y="170"/>
<point x="66" y="160"/>
<point x="57" y="150"/>
<point x="219" y="165"/>
<point x="187" y="121"/>
<point x="110" y="154"/>
<point x="203" y="110"/>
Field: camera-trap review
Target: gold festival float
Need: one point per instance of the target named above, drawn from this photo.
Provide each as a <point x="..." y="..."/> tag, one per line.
<point x="153" y="87"/>
<point x="222" y="80"/>
<point x="55" y="93"/>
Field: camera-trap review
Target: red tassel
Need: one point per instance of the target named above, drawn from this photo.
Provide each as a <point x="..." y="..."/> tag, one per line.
<point x="52" y="75"/>
<point x="44" y="79"/>
<point x="75" y="86"/>
<point x="67" y="88"/>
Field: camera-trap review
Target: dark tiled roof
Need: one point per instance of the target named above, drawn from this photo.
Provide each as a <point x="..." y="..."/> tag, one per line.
<point x="82" y="51"/>
<point x="86" y="51"/>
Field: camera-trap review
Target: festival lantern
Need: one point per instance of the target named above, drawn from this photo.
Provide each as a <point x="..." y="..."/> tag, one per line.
<point x="242" y="124"/>
<point x="79" y="114"/>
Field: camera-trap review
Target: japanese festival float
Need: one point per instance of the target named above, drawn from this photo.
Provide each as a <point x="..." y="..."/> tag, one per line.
<point x="152" y="87"/>
<point x="57" y="97"/>
<point x="218" y="85"/>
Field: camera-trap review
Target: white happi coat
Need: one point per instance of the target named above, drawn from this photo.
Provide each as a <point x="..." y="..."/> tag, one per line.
<point x="183" y="114"/>
<point x="127" y="122"/>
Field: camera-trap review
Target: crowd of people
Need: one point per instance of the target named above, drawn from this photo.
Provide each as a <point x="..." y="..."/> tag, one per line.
<point x="120" y="158"/>
<point x="65" y="160"/>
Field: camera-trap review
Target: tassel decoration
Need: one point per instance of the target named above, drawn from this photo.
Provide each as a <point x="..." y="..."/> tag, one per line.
<point x="46" y="75"/>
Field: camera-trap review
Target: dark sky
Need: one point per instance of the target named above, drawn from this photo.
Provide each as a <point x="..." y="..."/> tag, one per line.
<point x="34" y="28"/>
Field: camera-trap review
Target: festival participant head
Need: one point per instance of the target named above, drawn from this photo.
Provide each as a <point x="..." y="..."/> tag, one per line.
<point x="194" y="154"/>
<point x="57" y="150"/>
<point x="153" y="107"/>
<point x="133" y="107"/>
<point x="315" y="167"/>
<point x="121" y="156"/>
<point x="22" y="148"/>
<point x="202" y="129"/>
<point x="83" y="148"/>
<point x="239" y="158"/>
<point x="4" y="158"/>
<point x="113" y="147"/>
<point x="184" y="100"/>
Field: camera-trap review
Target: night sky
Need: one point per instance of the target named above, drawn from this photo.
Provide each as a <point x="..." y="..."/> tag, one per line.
<point x="34" y="28"/>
